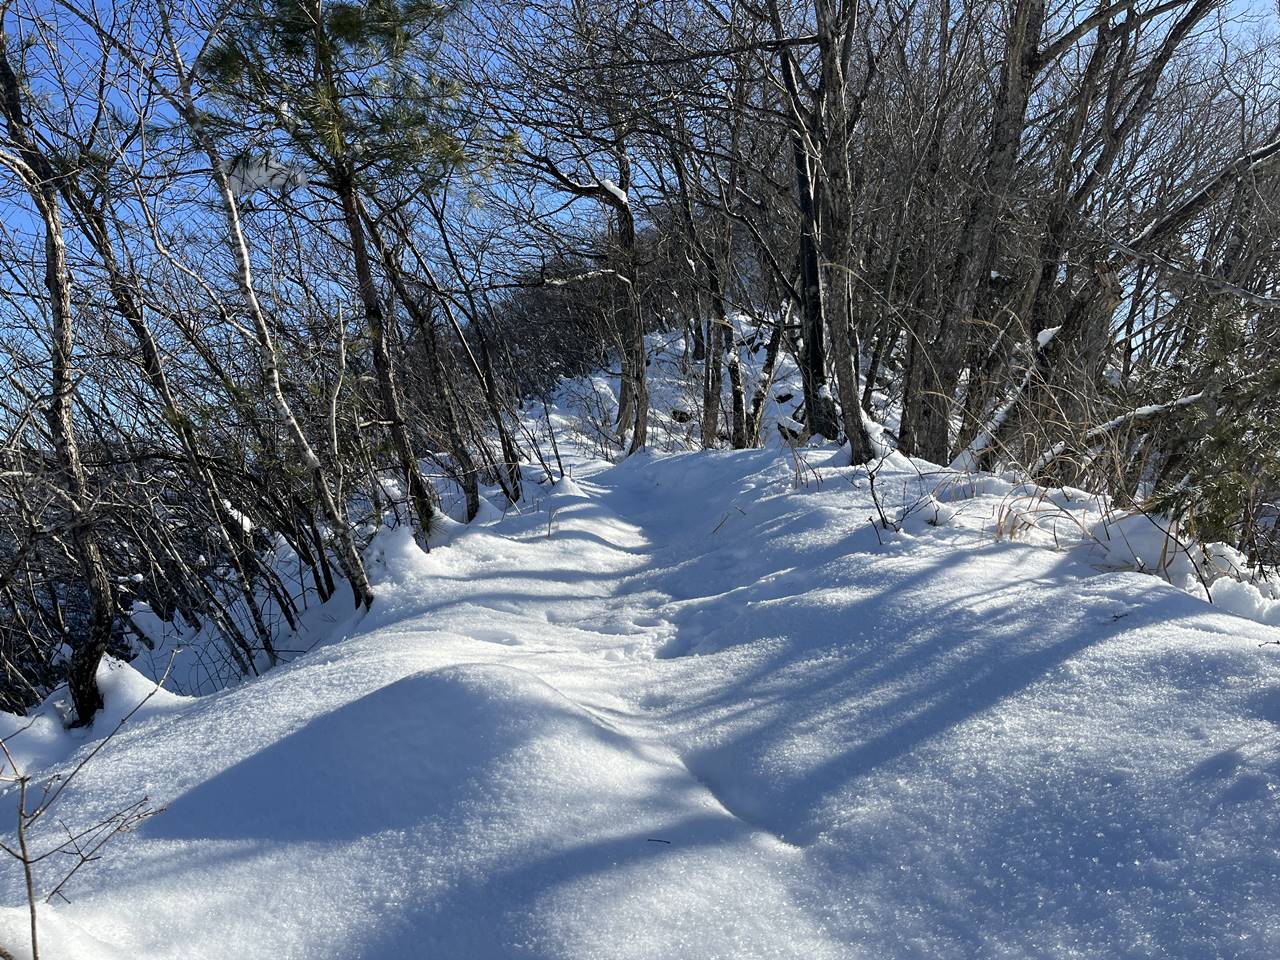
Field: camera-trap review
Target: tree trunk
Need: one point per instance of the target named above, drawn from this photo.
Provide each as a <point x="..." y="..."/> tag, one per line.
<point x="712" y="384"/>
<point x="819" y="408"/>
<point x="421" y="496"/>
<point x="636" y="411"/>
<point x="835" y="41"/>
<point x="761" y="393"/>
<point x="427" y="330"/>
<point x="976" y="249"/>
<point x="40" y="180"/>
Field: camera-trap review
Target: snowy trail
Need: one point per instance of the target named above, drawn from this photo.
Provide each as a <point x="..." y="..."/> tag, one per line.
<point x="630" y="724"/>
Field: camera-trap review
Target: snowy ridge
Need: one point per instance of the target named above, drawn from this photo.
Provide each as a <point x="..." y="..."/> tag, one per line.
<point x="706" y="705"/>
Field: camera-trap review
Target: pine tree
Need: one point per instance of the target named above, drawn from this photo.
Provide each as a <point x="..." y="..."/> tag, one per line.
<point x="347" y="90"/>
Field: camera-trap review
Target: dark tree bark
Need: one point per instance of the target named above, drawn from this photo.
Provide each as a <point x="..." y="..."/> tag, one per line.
<point x="41" y="180"/>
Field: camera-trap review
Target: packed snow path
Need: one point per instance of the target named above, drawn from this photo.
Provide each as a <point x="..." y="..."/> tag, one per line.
<point x="698" y="707"/>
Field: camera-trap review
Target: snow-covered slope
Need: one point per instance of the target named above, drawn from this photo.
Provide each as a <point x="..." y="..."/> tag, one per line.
<point x="701" y="705"/>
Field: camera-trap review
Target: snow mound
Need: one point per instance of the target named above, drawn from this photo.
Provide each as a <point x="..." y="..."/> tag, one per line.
<point x="43" y="739"/>
<point x="464" y="739"/>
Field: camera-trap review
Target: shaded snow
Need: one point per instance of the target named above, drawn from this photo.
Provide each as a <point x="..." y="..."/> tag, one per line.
<point x="704" y="705"/>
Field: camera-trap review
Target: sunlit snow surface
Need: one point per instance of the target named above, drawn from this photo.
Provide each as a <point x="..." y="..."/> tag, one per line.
<point x="701" y="706"/>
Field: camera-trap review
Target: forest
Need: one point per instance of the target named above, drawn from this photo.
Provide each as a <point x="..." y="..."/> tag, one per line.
<point x="280" y="271"/>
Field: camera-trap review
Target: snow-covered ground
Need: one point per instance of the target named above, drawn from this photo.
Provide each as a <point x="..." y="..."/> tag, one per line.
<point x="705" y="705"/>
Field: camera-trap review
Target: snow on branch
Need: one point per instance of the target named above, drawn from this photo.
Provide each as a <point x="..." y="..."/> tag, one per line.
<point x="1103" y="429"/>
<point x="1207" y="281"/>
<point x="582" y="277"/>
<point x="1248" y="164"/>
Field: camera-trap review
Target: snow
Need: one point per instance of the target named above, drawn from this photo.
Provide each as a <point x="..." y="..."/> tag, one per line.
<point x="1143" y="542"/>
<point x="247" y="174"/>
<point x="615" y="191"/>
<point x="709" y="705"/>
<point x="41" y="739"/>
<point x="1246" y="600"/>
<point x="59" y="937"/>
<point x="1045" y="336"/>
